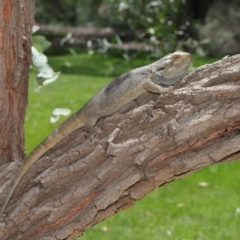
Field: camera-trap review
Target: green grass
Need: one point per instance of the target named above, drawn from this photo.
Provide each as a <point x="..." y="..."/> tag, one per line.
<point x="179" y="210"/>
<point x="69" y="91"/>
<point x="206" y="213"/>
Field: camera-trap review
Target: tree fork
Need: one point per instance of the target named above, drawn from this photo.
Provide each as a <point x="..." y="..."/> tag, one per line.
<point x="152" y="141"/>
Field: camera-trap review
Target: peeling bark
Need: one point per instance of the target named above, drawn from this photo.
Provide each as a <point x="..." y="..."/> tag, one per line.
<point x="152" y="141"/>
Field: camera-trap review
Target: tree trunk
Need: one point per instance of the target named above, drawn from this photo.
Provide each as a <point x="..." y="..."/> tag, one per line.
<point x="88" y="177"/>
<point x="16" y="21"/>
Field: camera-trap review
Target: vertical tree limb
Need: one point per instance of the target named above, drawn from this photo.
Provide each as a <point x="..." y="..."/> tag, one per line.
<point x="16" y="20"/>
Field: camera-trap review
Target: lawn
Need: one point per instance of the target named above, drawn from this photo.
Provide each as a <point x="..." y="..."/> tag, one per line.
<point x="179" y="210"/>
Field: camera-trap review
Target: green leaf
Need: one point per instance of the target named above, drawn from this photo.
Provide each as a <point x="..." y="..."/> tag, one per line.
<point x="38" y="47"/>
<point x="42" y="41"/>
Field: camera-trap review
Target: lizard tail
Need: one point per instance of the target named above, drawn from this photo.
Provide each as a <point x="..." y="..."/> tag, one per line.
<point x="76" y="121"/>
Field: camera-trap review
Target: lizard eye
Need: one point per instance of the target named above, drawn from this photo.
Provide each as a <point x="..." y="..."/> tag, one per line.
<point x="160" y="68"/>
<point x="153" y="70"/>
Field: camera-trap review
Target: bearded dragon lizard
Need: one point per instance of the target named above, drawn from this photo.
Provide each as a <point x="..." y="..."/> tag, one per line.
<point x="108" y="100"/>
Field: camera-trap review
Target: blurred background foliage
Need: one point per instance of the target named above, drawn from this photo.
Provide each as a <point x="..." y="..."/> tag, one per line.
<point x="207" y="27"/>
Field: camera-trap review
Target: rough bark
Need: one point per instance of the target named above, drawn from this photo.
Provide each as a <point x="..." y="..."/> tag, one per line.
<point x="150" y="142"/>
<point x="15" y="41"/>
<point x="16" y="20"/>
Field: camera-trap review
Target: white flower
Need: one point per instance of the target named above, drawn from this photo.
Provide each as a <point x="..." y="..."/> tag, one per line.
<point x="57" y="112"/>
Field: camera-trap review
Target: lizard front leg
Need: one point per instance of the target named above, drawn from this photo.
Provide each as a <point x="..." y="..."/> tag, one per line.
<point x="90" y="123"/>
<point x="155" y="88"/>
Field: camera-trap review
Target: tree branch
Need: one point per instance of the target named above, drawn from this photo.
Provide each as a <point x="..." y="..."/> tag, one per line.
<point x="82" y="34"/>
<point x="148" y="143"/>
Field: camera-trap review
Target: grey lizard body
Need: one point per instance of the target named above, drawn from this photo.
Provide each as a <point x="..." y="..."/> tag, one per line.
<point x="109" y="99"/>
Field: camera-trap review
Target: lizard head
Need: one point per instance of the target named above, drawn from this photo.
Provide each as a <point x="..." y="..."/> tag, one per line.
<point x="171" y="68"/>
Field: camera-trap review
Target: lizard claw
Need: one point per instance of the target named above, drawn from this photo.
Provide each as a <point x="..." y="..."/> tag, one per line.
<point x="170" y="89"/>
